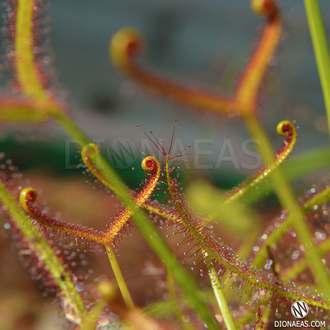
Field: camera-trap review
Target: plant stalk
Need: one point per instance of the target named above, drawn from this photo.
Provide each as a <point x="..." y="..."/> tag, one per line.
<point x="220" y="297"/>
<point x="148" y="230"/>
<point x="119" y="277"/>
<point x="45" y="252"/>
<point x="321" y="49"/>
<point x="288" y="202"/>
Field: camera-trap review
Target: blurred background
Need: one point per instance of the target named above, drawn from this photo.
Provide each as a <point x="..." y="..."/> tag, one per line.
<point x="205" y="42"/>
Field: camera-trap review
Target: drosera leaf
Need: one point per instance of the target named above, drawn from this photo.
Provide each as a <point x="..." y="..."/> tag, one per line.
<point x="80" y="233"/>
<point x="251" y="80"/>
<point x="308" y="162"/>
<point x="90" y="155"/>
<point x="235" y="217"/>
<point x="284" y="128"/>
<point x="45" y="253"/>
<point x="217" y="253"/>
<point x="161" y="249"/>
<point x="28" y="77"/>
<point x="124" y="47"/>
<point x="127" y="43"/>
<point x="13" y="110"/>
<point x="287" y="198"/>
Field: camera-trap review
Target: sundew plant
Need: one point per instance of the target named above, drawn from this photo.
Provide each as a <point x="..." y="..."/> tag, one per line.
<point x="278" y="277"/>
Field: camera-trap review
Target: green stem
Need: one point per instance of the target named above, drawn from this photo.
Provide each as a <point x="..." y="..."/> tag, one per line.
<point x="148" y="230"/>
<point x="119" y="277"/>
<point x="180" y="274"/>
<point x="288" y="202"/>
<point x="321" y="49"/>
<point x="220" y="297"/>
<point x="44" y="252"/>
<point x="90" y="319"/>
<point x="71" y="129"/>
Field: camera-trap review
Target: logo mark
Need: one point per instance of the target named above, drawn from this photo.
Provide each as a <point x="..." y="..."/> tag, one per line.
<point x="299" y="309"/>
<point x="121" y="153"/>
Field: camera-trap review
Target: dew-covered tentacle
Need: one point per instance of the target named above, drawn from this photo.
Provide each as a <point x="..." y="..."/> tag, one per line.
<point x="45" y="255"/>
<point x="29" y="195"/>
<point x="22" y="110"/>
<point x="89" y="154"/>
<point x="252" y="77"/>
<point x="149" y="164"/>
<point x="219" y="253"/>
<point x="28" y="76"/>
<point x="284" y="128"/>
<point x="127" y="43"/>
<point x="26" y="72"/>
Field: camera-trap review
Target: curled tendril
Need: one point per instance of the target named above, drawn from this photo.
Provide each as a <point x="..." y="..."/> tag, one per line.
<point x="149" y="163"/>
<point x="128" y="43"/>
<point x="29" y="195"/>
<point x="284" y="128"/>
<point x="265" y="8"/>
<point x="152" y="166"/>
<point x="89" y="154"/>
